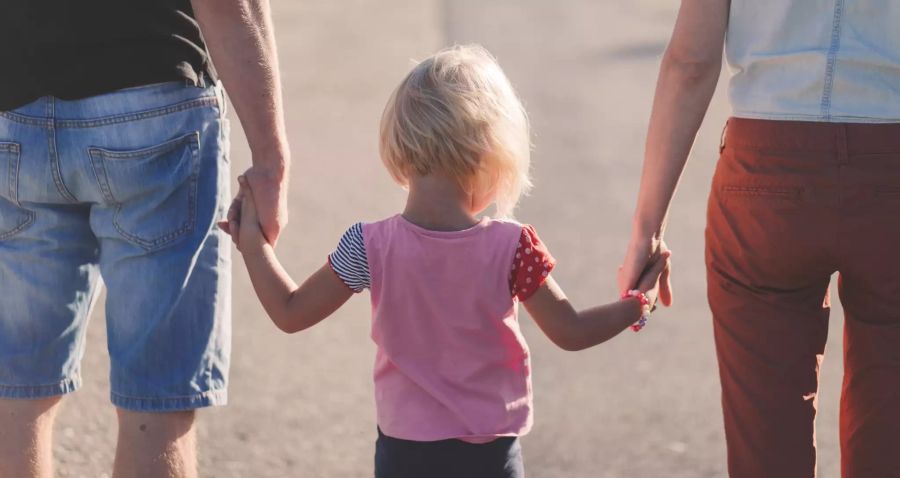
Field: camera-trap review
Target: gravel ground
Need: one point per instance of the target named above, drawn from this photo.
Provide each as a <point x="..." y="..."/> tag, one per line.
<point x="641" y="406"/>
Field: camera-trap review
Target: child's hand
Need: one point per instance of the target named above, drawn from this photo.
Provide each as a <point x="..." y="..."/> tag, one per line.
<point x="649" y="280"/>
<point x="248" y="232"/>
<point x="232" y="221"/>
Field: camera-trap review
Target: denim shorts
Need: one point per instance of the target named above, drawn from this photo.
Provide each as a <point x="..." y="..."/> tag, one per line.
<point x="122" y="189"/>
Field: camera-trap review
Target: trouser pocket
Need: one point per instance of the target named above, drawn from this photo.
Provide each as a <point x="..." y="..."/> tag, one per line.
<point x="153" y="190"/>
<point x="13" y="217"/>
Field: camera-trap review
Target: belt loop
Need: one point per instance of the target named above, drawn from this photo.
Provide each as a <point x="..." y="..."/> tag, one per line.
<point x="13" y="178"/>
<point x="722" y="138"/>
<point x="221" y="98"/>
<point x="197" y="81"/>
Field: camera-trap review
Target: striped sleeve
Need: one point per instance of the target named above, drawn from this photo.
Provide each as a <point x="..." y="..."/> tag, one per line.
<point x="349" y="260"/>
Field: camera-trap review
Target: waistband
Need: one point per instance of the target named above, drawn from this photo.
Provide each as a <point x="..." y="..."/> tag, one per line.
<point x="129" y="101"/>
<point x="811" y="137"/>
<point x="498" y="442"/>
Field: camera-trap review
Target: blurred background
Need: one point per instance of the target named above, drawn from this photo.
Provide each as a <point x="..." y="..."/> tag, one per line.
<point x="640" y="406"/>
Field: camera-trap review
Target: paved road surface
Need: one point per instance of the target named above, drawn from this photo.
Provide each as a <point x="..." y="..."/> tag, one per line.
<point x="641" y="406"/>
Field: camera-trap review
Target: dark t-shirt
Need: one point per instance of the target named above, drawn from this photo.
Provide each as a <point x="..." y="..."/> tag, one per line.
<point x="78" y="48"/>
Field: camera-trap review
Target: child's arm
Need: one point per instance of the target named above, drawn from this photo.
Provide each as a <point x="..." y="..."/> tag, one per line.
<point x="291" y="308"/>
<point x="577" y="330"/>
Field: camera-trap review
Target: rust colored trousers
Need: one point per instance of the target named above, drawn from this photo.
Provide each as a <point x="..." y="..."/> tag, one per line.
<point x="791" y="204"/>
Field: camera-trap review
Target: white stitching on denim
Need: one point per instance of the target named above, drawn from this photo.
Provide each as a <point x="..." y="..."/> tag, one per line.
<point x="55" y="169"/>
<point x="169" y="145"/>
<point x="827" y="89"/>
<point x="196" y="396"/>
<point x="12" y="179"/>
<point x="20" y="227"/>
<point x="12" y="170"/>
<point x="100" y="175"/>
<point x="192" y="140"/>
<point x="65" y="381"/>
<point x="109" y="120"/>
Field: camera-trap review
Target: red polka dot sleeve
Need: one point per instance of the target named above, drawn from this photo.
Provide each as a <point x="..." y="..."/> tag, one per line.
<point x="531" y="265"/>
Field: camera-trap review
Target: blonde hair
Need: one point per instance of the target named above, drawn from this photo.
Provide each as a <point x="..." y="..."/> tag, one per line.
<point x="456" y="113"/>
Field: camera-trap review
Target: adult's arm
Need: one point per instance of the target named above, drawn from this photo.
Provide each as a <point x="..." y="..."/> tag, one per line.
<point x="241" y="41"/>
<point x="687" y="80"/>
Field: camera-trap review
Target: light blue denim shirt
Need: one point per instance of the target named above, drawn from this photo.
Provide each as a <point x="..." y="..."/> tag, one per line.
<point x="815" y="60"/>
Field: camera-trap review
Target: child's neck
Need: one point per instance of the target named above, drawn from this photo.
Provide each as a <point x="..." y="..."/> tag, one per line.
<point x="439" y="204"/>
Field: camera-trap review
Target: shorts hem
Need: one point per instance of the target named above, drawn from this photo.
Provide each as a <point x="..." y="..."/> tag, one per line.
<point x="33" y="392"/>
<point x="212" y="398"/>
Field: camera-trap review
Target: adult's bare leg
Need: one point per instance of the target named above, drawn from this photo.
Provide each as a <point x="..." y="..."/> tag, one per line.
<point x="26" y="437"/>
<point x="156" y="445"/>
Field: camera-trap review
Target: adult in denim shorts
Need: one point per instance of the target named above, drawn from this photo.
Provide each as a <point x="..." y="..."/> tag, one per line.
<point x="114" y="170"/>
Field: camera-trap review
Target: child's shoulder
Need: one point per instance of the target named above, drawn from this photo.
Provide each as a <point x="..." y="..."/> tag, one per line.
<point x="510" y="224"/>
<point x="505" y="222"/>
<point x="525" y="234"/>
<point x="361" y="226"/>
<point x="509" y="230"/>
<point x="377" y="230"/>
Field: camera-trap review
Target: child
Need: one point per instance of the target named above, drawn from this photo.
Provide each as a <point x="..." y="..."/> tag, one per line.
<point x="452" y="371"/>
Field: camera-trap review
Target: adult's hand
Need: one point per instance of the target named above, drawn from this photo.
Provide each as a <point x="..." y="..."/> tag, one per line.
<point x="269" y="188"/>
<point x="643" y="252"/>
<point x="270" y="194"/>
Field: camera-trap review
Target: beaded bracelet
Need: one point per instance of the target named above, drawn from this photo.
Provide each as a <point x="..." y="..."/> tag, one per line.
<point x="645" y="308"/>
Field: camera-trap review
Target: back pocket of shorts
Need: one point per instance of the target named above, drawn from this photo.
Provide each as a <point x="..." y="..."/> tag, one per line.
<point x="13" y="218"/>
<point x="153" y="190"/>
<point x="783" y="193"/>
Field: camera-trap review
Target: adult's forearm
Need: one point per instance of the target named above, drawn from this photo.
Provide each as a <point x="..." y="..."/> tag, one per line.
<point x="683" y="94"/>
<point x="241" y="41"/>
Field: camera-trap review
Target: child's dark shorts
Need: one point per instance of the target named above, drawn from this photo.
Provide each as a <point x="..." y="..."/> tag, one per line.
<point x="396" y="458"/>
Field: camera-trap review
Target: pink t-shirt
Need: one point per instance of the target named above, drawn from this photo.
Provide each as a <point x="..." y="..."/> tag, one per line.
<point x="451" y="361"/>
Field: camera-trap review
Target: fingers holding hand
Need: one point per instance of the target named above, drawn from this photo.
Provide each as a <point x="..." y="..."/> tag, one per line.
<point x="650" y="280"/>
<point x="270" y="195"/>
<point x="251" y="236"/>
<point x="665" y="279"/>
<point x="630" y="271"/>
<point x="665" y="285"/>
<point x="248" y="205"/>
<point x="231" y="223"/>
<point x="651" y="277"/>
